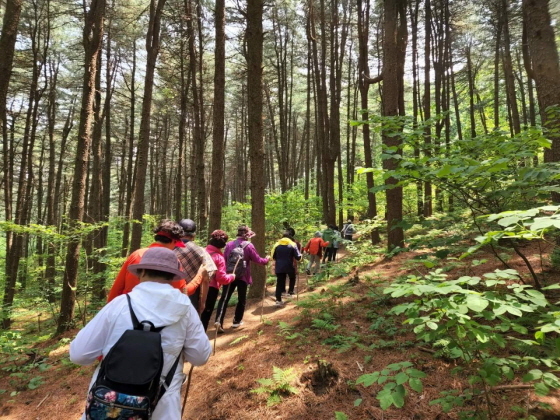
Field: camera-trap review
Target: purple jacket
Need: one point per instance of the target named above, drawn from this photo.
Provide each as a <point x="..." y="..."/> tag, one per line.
<point x="249" y="254"/>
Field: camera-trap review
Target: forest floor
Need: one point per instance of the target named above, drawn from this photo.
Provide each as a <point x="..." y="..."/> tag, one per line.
<point x="290" y="337"/>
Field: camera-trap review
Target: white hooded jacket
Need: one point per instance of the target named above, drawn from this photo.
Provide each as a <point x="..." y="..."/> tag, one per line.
<point x="163" y="306"/>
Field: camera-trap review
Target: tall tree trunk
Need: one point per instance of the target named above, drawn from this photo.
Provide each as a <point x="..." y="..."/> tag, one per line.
<point x="218" y="137"/>
<point x="92" y="40"/>
<point x="428" y="205"/>
<point x="508" y="70"/>
<point x="545" y="70"/>
<point x="7" y="46"/>
<point x="363" y="84"/>
<point x="392" y="49"/>
<point x="130" y="167"/>
<point x="152" y="49"/>
<point x="254" y="37"/>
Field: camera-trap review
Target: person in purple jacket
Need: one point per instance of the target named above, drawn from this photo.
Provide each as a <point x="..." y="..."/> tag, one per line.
<point x="241" y="283"/>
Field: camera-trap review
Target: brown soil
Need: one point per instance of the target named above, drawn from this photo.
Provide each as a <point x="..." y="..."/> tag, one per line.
<point x="222" y="388"/>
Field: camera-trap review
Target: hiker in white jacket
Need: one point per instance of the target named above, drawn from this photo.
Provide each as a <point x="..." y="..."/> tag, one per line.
<point x="155" y="300"/>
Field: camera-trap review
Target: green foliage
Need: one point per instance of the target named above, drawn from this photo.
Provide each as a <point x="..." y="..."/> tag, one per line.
<point x="519" y="224"/>
<point x="473" y="317"/>
<point x="280" y="385"/>
<point x="338" y="415"/>
<point x="394" y="376"/>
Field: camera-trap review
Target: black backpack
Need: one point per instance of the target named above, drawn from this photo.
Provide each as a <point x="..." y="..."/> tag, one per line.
<point x="129" y="383"/>
<point x="236" y="263"/>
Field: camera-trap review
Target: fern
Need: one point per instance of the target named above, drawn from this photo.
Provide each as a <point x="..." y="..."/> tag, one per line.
<point x="281" y="384"/>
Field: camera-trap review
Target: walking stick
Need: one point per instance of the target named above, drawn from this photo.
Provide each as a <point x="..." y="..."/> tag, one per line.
<point x="262" y="300"/>
<point x="297" y="283"/>
<point x="218" y="324"/>
<point x="187" y="390"/>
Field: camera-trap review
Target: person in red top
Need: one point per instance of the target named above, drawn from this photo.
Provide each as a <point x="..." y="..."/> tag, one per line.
<point x="167" y="235"/>
<point x="314" y="247"/>
<point x="218" y="240"/>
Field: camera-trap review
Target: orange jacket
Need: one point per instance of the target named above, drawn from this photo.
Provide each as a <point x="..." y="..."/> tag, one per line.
<point x="314" y="246"/>
<point x="126" y="281"/>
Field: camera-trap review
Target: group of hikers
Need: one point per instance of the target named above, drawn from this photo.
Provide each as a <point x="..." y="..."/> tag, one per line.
<point x="172" y="286"/>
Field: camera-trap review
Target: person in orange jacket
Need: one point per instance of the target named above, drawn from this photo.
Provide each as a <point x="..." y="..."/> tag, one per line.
<point x="314" y="249"/>
<point x="167" y="234"/>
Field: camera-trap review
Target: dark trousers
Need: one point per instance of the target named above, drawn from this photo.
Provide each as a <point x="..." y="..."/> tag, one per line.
<point x="281" y="284"/>
<point x="330" y="254"/>
<point x="211" y="299"/>
<point x="226" y="296"/>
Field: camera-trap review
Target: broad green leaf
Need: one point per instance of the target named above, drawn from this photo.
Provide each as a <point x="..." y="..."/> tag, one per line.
<point x="476" y="303"/>
<point x="358" y="402"/>
<point x="385" y="399"/>
<point x="398" y="396"/>
<point x="415" y="384"/>
<point x="508" y="221"/>
<point x="431" y="325"/>
<point x="541" y="389"/>
<point x="338" y="415"/>
<point x="532" y="375"/>
<point x="401" y="378"/>
<point x="368" y="379"/>
<point x="446" y="170"/>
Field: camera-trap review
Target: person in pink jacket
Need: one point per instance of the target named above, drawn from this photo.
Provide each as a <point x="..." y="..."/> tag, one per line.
<point x="218" y="240"/>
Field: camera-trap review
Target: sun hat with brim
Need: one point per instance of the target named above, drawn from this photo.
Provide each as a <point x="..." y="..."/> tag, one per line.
<point x="161" y="259"/>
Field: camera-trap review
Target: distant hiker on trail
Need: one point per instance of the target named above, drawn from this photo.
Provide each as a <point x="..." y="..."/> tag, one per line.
<point x="284" y="253"/>
<point x="182" y="340"/>
<point x="218" y="240"/>
<point x="348" y="230"/>
<point x="314" y="247"/>
<point x="292" y="236"/>
<point x="167" y="235"/>
<point x="192" y="257"/>
<point x="238" y="255"/>
<point x="332" y="236"/>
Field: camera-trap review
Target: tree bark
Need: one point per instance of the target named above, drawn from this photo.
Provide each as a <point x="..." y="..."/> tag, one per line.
<point x="152" y="49"/>
<point x="218" y="132"/>
<point x="92" y="40"/>
<point x="392" y="47"/>
<point x="254" y="37"/>
<point x="545" y="70"/>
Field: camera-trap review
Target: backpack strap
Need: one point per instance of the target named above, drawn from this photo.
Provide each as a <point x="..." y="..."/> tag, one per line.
<point x="141" y="325"/>
<point x="169" y="377"/>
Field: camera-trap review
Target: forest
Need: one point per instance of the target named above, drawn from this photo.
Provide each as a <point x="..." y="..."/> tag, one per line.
<point x="434" y="125"/>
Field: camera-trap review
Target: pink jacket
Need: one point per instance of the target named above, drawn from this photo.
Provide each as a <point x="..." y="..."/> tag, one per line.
<point x="220" y="277"/>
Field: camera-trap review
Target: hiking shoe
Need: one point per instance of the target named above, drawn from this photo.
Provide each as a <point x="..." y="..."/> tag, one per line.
<point x="279" y="303"/>
<point x="237" y="324"/>
<point x="291" y="295"/>
<point x="284" y="294"/>
<point x="308" y="272"/>
<point x="219" y="328"/>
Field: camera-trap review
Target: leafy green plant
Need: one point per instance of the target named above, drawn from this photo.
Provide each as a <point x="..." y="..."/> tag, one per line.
<point x="394" y="376"/>
<point x="325" y="322"/>
<point x="280" y="385"/>
<point x="471" y="317"/>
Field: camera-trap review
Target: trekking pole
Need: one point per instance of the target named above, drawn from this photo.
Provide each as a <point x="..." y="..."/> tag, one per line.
<point x="187" y="390"/>
<point x="297" y="283"/>
<point x="262" y="300"/>
<point x="218" y="324"/>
